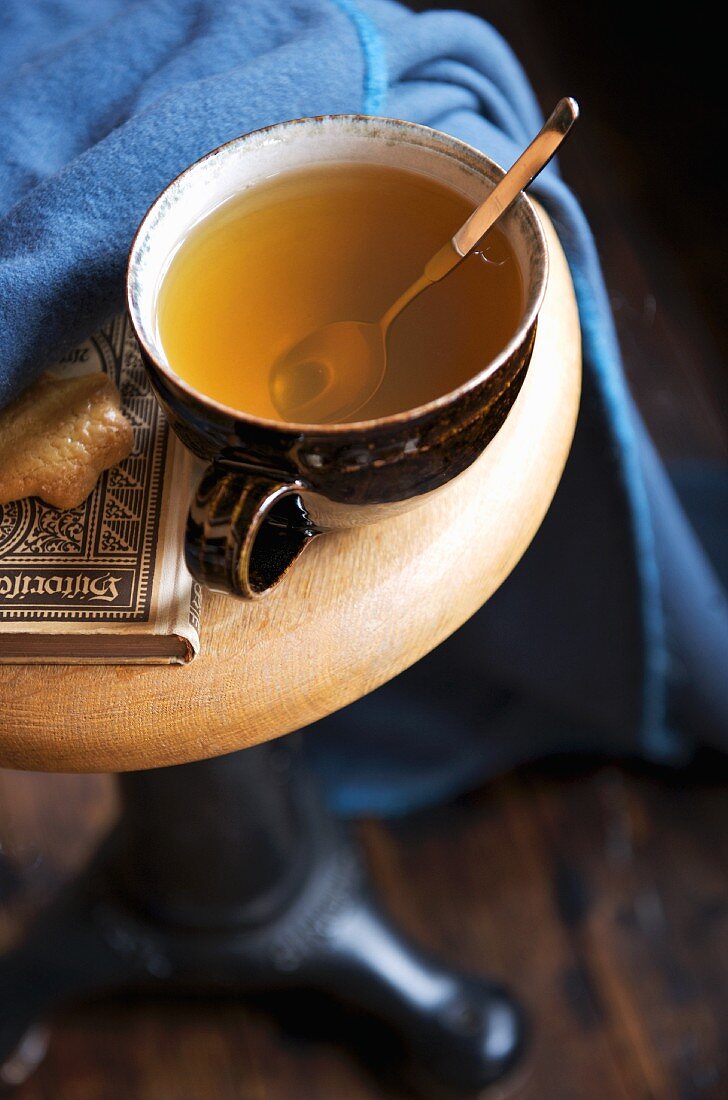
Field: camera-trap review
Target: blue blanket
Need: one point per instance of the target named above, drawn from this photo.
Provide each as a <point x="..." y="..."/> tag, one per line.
<point x="612" y="632"/>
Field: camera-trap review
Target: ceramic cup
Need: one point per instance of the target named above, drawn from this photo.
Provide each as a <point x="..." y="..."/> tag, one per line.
<point x="271" y="487"/>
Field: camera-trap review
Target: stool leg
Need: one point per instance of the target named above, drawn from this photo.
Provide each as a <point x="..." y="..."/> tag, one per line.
<point x="230" y="874"/>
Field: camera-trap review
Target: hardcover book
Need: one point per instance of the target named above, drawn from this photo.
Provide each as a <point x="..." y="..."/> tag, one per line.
<point x="105" y="582"/>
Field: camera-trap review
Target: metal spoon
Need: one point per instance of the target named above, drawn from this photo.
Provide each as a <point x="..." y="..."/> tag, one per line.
<point x="335" y="370"/>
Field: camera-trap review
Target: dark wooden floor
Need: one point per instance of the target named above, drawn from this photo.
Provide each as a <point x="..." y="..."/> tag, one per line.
<point x="598" y="892"/>
<point x="600" y="895"/>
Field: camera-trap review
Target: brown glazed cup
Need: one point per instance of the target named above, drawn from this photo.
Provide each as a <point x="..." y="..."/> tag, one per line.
<point x="272" y="487"/>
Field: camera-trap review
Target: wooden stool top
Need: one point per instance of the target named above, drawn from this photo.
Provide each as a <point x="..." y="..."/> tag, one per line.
<point x="358" y="608"/>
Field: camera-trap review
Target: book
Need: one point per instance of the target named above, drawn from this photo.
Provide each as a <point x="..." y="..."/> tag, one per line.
<point x="106" y="582"/>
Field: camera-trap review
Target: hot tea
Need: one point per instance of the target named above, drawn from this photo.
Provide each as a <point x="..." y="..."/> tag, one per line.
<point x="328" y="243"/>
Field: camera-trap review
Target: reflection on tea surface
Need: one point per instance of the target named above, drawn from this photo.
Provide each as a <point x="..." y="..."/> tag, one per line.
<point x="328" y="243"/>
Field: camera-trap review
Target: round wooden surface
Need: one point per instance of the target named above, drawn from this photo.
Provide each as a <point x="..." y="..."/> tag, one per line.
<point x="358" y="608"/>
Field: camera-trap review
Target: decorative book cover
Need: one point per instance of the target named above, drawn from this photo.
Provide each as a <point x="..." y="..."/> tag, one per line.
<point x="106" y="581"/>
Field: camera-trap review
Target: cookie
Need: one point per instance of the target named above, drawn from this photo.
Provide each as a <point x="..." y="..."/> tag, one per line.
<point x="58" y="436"/>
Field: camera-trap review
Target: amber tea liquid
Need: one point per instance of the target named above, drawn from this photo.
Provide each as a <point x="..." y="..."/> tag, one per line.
<point x="334" y="242"/>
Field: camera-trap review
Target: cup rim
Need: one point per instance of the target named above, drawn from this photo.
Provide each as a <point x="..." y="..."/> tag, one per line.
<point x="457" y="146"/>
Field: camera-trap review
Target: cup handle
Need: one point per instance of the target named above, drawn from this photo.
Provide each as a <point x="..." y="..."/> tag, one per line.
<point x="245" y="530"/>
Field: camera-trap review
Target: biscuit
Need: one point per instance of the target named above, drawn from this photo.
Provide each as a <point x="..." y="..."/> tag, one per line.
<point x="58" y="436"/>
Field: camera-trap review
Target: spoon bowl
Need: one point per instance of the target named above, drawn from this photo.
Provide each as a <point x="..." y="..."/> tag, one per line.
<point x="331" y="373"/>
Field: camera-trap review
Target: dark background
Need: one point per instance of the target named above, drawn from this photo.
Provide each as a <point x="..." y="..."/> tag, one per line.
<point x="598" y="891"/>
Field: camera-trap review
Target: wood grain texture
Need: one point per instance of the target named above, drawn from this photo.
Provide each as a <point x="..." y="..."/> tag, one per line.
<point x="359" y="607"/>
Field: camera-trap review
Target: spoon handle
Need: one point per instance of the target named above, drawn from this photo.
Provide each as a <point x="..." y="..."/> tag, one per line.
<point x="535" y="157"/>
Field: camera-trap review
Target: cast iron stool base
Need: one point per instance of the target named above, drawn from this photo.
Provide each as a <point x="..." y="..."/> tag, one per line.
<point x="230" y="874"/>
